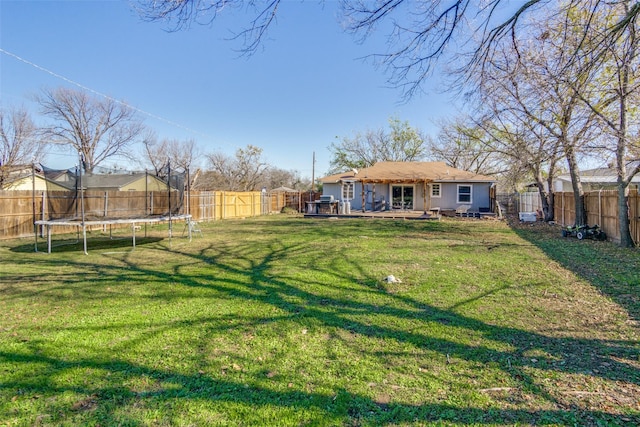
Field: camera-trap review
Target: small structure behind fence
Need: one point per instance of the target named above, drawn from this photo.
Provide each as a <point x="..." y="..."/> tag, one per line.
<point x="530" y="202"/>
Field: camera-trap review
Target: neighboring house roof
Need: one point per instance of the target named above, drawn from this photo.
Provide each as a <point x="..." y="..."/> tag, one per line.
<point x="597" y="176"/>
<point x="26" y="182"/>
<point x="109" y="181"/>
<point x="408" y="172"/>
<point x="60" y="175"/>
<point x="122" y="181"/>
<point x="284" y="190"/>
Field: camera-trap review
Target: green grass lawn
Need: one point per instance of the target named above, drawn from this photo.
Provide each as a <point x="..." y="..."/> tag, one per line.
<point x="285" y="321"/>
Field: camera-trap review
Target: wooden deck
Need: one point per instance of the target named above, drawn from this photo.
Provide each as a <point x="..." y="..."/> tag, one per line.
<point x="392" y="214"/>
<point x="403" y="214"/>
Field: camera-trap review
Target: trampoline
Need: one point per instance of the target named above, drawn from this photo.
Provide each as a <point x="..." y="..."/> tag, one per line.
<point x="104" y="198"/>
<point x="83" y="225"/>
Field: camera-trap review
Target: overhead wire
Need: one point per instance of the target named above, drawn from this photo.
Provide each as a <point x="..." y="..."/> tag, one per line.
<point x="95" y="92"/>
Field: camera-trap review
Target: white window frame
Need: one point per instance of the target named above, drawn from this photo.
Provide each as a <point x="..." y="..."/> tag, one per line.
<point x="470" y="194"/>
<point x="433" y="195"/>
<point x="350" y="187"/>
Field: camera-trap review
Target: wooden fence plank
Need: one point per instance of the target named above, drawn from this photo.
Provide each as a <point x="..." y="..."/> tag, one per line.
<point x="602" y="209"/>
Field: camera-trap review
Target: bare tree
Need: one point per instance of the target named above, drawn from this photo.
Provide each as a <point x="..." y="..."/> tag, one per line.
<point x="277" y="177"/>
<point x="182" y="153"/>
<point x="180" y="14"/>
<point x="419" y="33"/>
<point x="98" y="129"/>
<point x="532" y="153"/>
<point x="19" y="144"/>
<point x="179" y="153"/>
<point x="402" y="143"/>
<point x="535" y="91"/>
<point x="460" y="144"/>
<point x="242" y="172"/>
<point x="615" y="94"/>
<point x="154" y="153"/>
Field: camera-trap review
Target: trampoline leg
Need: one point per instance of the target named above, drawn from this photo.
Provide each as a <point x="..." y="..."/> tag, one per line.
<point x="48" y="238"/>
<point x="84" y="238"/>
<point x="133" y="232"/>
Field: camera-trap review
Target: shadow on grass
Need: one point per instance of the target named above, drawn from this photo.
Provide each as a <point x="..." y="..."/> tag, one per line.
<point x="249" y="276"/>
<point x="105" y="404"/>
<point x="93" y="243"/>
<point x="613" y="270"/>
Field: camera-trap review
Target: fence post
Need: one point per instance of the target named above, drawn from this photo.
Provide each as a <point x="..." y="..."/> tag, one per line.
<point x="600" y="207"/>
<point x="44" y="216"/>
<point x="106" y="210"/>
<point x="223" y="200"/>
<point x="216" y="204"/>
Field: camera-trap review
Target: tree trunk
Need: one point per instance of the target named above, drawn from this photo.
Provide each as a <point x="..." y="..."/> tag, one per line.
<point x="550" y="216"/>
<point x="626" y="241"/>
<point x="546" y="198"/>
<point x="576" y="184"/>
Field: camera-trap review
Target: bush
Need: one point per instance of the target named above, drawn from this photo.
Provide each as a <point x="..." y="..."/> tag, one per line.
<point x="288" y="210"/>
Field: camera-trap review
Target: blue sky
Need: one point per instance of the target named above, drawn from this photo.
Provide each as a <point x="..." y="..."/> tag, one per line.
<point x="291" y="98"/>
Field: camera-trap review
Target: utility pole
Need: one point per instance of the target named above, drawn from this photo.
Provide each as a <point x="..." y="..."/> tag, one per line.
<point x="313" y="177"/>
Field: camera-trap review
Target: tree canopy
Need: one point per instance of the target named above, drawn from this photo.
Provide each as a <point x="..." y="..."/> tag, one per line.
<point x="401" y="143"/>
<point x="96" y="128"/>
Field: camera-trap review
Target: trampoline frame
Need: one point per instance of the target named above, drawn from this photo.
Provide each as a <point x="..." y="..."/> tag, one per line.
<point x="82" y="225"/>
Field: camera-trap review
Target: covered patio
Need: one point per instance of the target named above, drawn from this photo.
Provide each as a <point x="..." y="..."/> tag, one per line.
<point x="408" y="190"/>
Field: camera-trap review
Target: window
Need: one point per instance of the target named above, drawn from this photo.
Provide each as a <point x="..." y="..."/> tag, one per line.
<point x="435" y="190"/>
<point x="347" y="190"/>
<point x="464" y="193"/>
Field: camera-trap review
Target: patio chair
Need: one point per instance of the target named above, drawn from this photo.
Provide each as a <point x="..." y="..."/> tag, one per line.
<point x="192" y="227"/>
<point x="462" y="210"/>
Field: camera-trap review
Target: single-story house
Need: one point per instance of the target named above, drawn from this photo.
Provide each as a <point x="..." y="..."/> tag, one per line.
<point x="26" y="177"/>
<point x="421" y="186"/>
<point x="26" y="182"/>
<point x="138" y="181"/>
<point x="593" y="180"/>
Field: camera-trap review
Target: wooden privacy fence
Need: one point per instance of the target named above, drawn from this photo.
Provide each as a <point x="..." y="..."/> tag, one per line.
<point x="16" y="213"/>
<point x="215" y="205"/>
<point x="17" y="208"/>
<point x="602" y="209"/>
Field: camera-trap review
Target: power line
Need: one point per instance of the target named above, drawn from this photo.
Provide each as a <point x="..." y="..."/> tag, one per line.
<point x="95" y="92"/>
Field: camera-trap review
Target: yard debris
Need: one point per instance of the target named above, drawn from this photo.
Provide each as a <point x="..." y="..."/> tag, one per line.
<point x="486" y="390"/>
<point x="391" y="279"/>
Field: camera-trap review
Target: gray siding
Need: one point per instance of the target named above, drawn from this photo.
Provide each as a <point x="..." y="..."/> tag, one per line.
<point x="480" y="192"/>
<point x="480" y="195"/>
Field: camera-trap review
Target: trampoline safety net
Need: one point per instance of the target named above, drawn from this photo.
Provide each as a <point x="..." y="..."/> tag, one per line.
<point x="108" y="194"/>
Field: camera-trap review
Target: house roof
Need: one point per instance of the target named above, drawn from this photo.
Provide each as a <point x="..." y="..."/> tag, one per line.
<point x="598" y="175"/>
<point x="105" y="181"/>
<point x="408" y="172"/>
<point x="284" y="190"/>
<point x="110" y="180"/>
